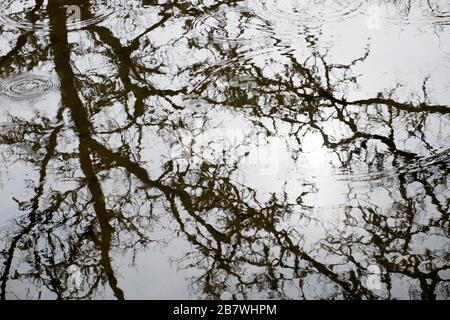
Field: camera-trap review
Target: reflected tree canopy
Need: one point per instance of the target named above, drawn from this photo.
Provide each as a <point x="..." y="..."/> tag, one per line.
<point x="349" y="198"/>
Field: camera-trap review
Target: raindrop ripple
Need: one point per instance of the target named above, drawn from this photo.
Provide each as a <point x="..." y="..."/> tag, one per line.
<point x="28" y="87"/>
<point x="17" y="14"/>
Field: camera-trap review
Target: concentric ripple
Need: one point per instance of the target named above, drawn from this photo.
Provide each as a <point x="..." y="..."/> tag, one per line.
<point x="234" y="24"/>
<point x="28" y="87"/>
<point x="306" y="11"/>
<point x="30" y="15"/>
<point x="422" y="164"/>
<point x="435" y="12"/>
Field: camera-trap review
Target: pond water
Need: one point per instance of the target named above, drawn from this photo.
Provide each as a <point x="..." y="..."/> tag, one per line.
<point x="274" y="149"/>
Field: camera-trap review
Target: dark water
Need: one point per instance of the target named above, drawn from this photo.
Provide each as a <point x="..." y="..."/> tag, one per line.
<point x="225" y="149"/>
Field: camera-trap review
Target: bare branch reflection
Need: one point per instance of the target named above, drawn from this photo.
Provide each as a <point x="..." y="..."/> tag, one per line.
<point x="104" y="182"/>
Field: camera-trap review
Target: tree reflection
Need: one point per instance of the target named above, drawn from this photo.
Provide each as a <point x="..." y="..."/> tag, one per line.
<point x="96" y="196"/>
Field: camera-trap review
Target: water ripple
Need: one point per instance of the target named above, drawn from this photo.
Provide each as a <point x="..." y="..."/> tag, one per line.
<point x="27" y="15"/>
<point x="234" y="25"/>
<point x="422" y="164"/>
<point x="28" y="86"/>
<point x="435" y="12"/>
<point x="256" y="53"/>
<point x="306" y="12"/>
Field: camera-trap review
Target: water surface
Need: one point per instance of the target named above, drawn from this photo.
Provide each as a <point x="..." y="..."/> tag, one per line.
<point x="294" y="149"/>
